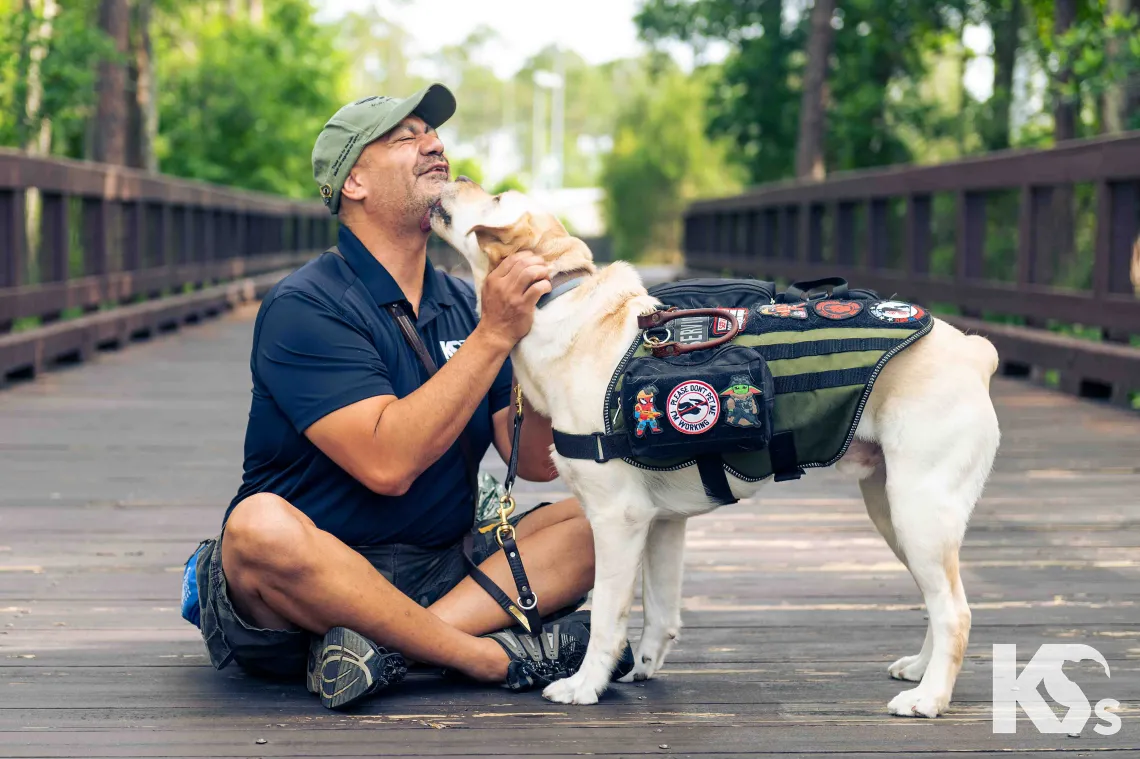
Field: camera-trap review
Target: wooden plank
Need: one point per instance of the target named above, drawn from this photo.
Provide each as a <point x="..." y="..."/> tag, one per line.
<point x="36" y="300"/>
<point x="86" y="178"/>
<point x="1086" y="360"/>
<point x="793" y="604"/>
<point x="33" y="351"/>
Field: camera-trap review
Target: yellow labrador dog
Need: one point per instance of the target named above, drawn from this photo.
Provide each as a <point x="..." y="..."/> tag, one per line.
<point x="920" y="468"/>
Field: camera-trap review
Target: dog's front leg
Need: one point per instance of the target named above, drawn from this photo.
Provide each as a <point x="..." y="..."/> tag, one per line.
<point x="619" y="541"/>
<point x="661" y="596"/>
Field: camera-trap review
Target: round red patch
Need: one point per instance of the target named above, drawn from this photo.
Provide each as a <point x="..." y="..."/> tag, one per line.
<point x="838" y="309"/>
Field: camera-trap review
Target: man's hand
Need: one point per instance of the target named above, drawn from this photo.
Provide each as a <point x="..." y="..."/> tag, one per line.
<point x="510" y="293"/>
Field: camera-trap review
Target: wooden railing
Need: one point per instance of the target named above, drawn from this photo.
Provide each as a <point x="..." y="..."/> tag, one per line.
<point x="121" y="254"/>
<point x="1031" y="248"/>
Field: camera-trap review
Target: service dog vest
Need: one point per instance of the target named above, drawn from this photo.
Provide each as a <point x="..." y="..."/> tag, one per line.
<point x="784" y="394"/>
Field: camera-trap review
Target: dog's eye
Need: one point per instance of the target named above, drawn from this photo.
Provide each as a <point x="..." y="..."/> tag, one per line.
<point x="498" y="198"/>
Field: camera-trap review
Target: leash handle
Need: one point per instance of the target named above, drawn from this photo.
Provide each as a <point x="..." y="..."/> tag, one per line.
<point x="663" y="349"/>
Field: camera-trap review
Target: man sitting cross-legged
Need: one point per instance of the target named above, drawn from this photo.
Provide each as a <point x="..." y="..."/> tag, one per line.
<point x="342" y="551"/>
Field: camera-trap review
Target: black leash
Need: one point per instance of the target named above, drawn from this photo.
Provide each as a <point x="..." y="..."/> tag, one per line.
<point x="524" y="609"/>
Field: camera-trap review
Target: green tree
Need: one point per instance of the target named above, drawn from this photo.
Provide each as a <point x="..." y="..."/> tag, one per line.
<point x="879" y="46"/>
<point x="242" y="101"/>
<point x="661" y="160"/>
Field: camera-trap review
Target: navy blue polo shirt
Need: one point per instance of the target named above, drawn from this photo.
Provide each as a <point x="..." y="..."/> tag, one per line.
<point x="322" y="340"/>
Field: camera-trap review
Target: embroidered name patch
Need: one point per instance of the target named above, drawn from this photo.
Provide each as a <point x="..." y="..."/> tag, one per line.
<point x="897" y="312"/>
<point x="783" y="310"/>
<point x="722" y="326"/>
<point x="693" y="407"/>
<point x="838" y="309"/>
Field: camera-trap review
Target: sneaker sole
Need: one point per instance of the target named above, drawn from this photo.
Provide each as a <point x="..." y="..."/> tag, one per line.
<point x="345" y="667"/>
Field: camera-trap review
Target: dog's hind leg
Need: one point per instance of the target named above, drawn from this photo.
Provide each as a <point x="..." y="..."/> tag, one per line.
<point x="929" y="507"/>
<point x="619" y="542"/>
<point x="661" y="596"/>
<point x="873" y="485"/>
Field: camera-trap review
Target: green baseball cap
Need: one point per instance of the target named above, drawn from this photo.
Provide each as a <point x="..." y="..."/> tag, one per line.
<point x="355" y="125"/>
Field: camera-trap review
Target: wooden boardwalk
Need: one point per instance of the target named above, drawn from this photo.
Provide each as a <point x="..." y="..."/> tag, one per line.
<point x="111" y="472"/>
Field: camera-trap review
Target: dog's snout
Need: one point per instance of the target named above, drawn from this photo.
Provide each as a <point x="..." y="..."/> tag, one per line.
<point x="462" y="178"/>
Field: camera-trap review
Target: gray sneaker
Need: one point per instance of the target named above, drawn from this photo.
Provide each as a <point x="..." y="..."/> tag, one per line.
<point x="555" y="653"/>
<point x="345" y="667"/>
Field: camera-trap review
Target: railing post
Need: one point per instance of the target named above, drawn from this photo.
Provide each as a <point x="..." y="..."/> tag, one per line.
<point x="844" y="237"/>
<point x="789" y="232"/>
<point x="95" y="228"/>
<point x="13" y="242"/>
<point x="134" y="234"/>
<point x="55" y="238"/>
<point x="878" y="234"/>
<point x="814" y="234"/>
<point x="916" y="255"/>
<point x="161" y="253"/>
<point x="1115" y="234"/>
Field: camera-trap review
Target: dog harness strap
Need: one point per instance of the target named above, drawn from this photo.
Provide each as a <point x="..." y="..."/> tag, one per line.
<point x="782" y="449"/>
<point x="800" y="383"/>
<point x="714" y="479"/>
<point x="598" y="446"/>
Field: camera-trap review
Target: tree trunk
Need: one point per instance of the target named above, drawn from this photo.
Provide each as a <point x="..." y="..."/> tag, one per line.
<point x="1129" y="103"/>
<point x="111" y="114"/>
<point x="1064" y="109"/>
<point x="813" y="105"/>
<point x="39" y="124"/>
<point x="144" y="108"/>
<point x="1005" y="21"/>
<point x="256" y="11"/>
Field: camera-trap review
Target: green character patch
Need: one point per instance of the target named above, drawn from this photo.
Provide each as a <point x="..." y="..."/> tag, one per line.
<point x="740" y="402"/>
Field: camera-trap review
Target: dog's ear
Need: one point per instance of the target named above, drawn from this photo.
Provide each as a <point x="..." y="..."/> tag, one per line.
<point x="500" y="242"/>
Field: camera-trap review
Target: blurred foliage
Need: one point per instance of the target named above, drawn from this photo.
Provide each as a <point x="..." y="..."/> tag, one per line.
<point x="241" y="102"/>
<point x="467" y="167"/>
<point x="243" y="94"/>
<point x="883" y="47"/>
<point x="66" y="71"/>
<point x="661" y="160"/>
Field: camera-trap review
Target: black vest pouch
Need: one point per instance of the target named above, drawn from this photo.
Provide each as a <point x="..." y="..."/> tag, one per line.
<point x="708" y="401"/>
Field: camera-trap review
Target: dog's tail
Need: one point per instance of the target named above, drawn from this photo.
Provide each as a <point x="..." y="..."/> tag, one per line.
<point x="983" y="354"/>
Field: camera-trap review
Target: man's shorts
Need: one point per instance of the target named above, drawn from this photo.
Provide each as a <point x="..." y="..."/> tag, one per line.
<point x="423" y="574"/>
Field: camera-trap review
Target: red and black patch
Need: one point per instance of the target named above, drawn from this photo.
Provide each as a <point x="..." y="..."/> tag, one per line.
<point x="722" y="326"/>
<point x="838" y="309"/>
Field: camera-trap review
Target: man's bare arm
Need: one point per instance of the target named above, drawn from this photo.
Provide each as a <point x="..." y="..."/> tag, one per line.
<point x="385" y="442"/>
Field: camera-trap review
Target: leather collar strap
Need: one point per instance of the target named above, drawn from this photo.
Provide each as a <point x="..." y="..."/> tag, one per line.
<point x="563" y="282"/>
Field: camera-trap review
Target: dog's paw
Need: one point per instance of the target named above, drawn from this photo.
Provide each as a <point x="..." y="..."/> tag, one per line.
<point x="644" y="669"/>
<point x="572" y="690"/>
<point x="918" y="703"/>
<point x="909" y="668"/>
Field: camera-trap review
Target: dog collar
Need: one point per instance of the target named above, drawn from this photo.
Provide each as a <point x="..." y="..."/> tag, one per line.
<point x="564" y="282"/>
